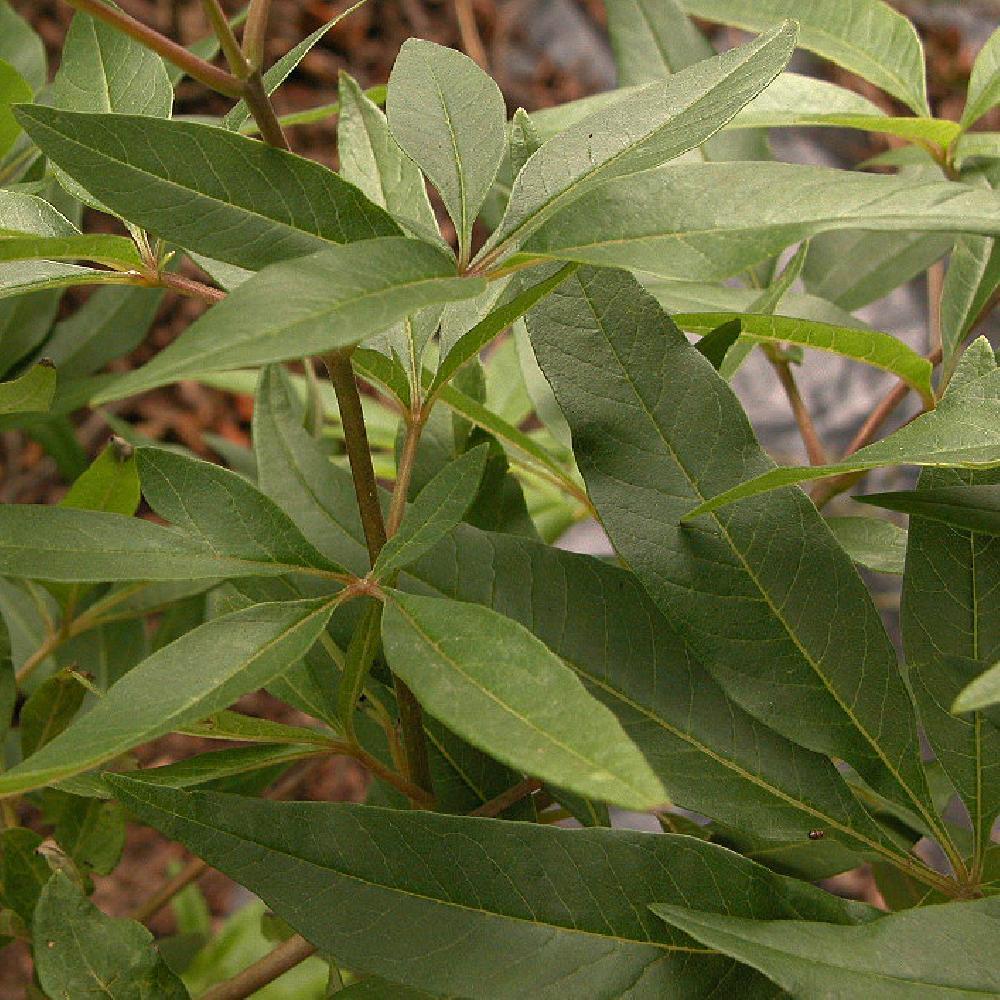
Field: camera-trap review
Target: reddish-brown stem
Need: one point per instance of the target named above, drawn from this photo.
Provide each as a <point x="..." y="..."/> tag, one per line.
<point x="263" y="111"/>
<point x="471" y="41"/>
<point x="150" y="907"/>
<point x="218" y="79"/>
<point x="190" y="287"/>
<point x="255" y="31"/>
<point x="275" y="963"/>
<point x="807" y="429"/>
<point x="506" y="799"/>
<point x="227" y="40"/>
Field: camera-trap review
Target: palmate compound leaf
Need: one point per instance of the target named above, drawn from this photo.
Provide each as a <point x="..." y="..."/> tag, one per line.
<point x="963" y="430"/>
<point x="331" y="299"/>
<point x="705" y="221"/>
<point x="79" y="952"/>
<point x="474" y="907"/>
<point x="226" y="196"/>
<point x="926" y="953"/>
<point x="490" y="680"/>
<point x="657" y="124"/>
<point x="762" y="593"/>
<point x="710" y="755"/>
<point x="202" y="672"/>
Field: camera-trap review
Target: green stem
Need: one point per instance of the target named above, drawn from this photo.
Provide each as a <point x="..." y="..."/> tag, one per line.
<point x="263" y="111"/>
<point x="237" y="62"/>
<point x="255" y="32"/>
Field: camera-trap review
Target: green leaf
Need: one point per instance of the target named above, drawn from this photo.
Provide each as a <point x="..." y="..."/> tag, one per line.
<point x="50" y="709"/>
<point x="875" y="544"/>
<point x="950" y="621"/>
<point x="496" y="685"/>
<point x="904" y="955"/>
<point x="23" y="872"/>
<point x="435" y="512"/>
<point x="90" y="831"/>
<point x="865" y="36"/>
<point x="488" y="889"/>
<point x="103" y="70"/>
<point x="284" y="67"/>
<point x="973" y="507"/>
<point x="497" y="320"/>
<point x="651" y="40"/>
<point x="655" y="428"/>
<point x="881" y="350"/>
<point x="74" y="546"/>
<point x="19" y="277"/>
<point x="711" y="756"/>
<point x="256" y="204"/>
<point x="80" y="952"/>
<point x="972" y="276"/>
<point x="21" y="47"/>
<point x="111" y="483"/>
<point x="224" y="512"/>
<point x="449" y="117"/>
<point x="328" y="300"/>
<point x="715" y="344"/>
<point x="371" y="159"/>
<point x="116" y="251"/>
<point x="31" y="392"/>
<point x="655" y="125"/>
<point x="964" y="430"/>
<point x="712" y="220"/>
<point x="983" y="692"/>
<point x="202" y="672"/>
<point x="14" y="89"/>
<point x="23" y="214"/>
<point x="984" y="83"/>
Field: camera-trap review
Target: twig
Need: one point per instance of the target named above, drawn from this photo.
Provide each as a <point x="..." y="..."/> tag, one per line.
<point x="506" y="799"/>
<point x="276" y="963"/>
<point x="810" y="436"/>
<point x="935" y="285"/>
<point x="219" y="80"/>
<point x="263" y="111"/>
<point x="472" y="42"/>
<point x="255" y="31"/>
<point x="150" y="907"/>
<point x="190" y="287"/>
<point x="237" y="62"/>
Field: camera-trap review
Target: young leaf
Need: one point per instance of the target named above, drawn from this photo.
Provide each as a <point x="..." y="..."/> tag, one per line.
<point x="964" y="430"/>
<point x="712" y="757"/>
<point x="81" y="952"/>
<point x="203" y="672"/>
<point x="655" y="428"/>
<point x="865" y="36"/>
<point x="652" y="126"/>
<point x="496" y="685"/>
<point x="984" y="82"/>
<point x="371" y="159"/>
<point x="950" y="622"/>
<point x="488" y="888"/>
<point x="256" y="205"/>
<point x="983" y="692"/>
<point x="31" y="392"/>
<point x="14" y="89"/>
<point x="705" y="221"/>
<point x="21" y="47"/>
<point x="875" y="544"/>
<point x="881" y="350"/>
<point x="449" y="117"/>
<point x="974" y="507"/>
<point x="101" y="69"/>
<point x="902" y="955"/>
<point x="328" y="300"/>
<point x="439" y="506"/>
<point x="224" y="512"/>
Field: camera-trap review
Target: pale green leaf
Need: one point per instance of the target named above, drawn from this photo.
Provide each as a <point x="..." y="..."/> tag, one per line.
<point x="964" y="431"/>
<point x="21" y="47"/>
<point x="881" y="350"/>
<point x="491" y="681"/>
<point x="950" y="622"/>
<point x="974" y="507"/>
<point x="23" y="214"/>
<point x="875" y="544"/>
<point x="655" y="429"/>
<point x="31" y="392"/>
<point x="977" y="144"/>
<point x="983" y="692"/>
<point x="223" y="195"/>
<point x="984" y="83"/>
<point x="709" y="221"/>
<point x="82" y="953"/>
<point x="328" y="300"/>
<point x="449" y="117"/>
<point x="865" y="36"/>
<point x="14" y="89"/>
<point x="110" y="483"/>
<point x="462" y="896"/>
<point x="656" y="124"/>
<point x="50" y="709"/>
<point x="438" y="507"/>
<point x="101" y="69"/>
<point x="371" y="159"/>
<point x="928" y="952"/>
<point x="202" y="672"/>
<point x="19" y="277"/>
<point x="972" y="276"/>
<point x="117" y="251"/>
